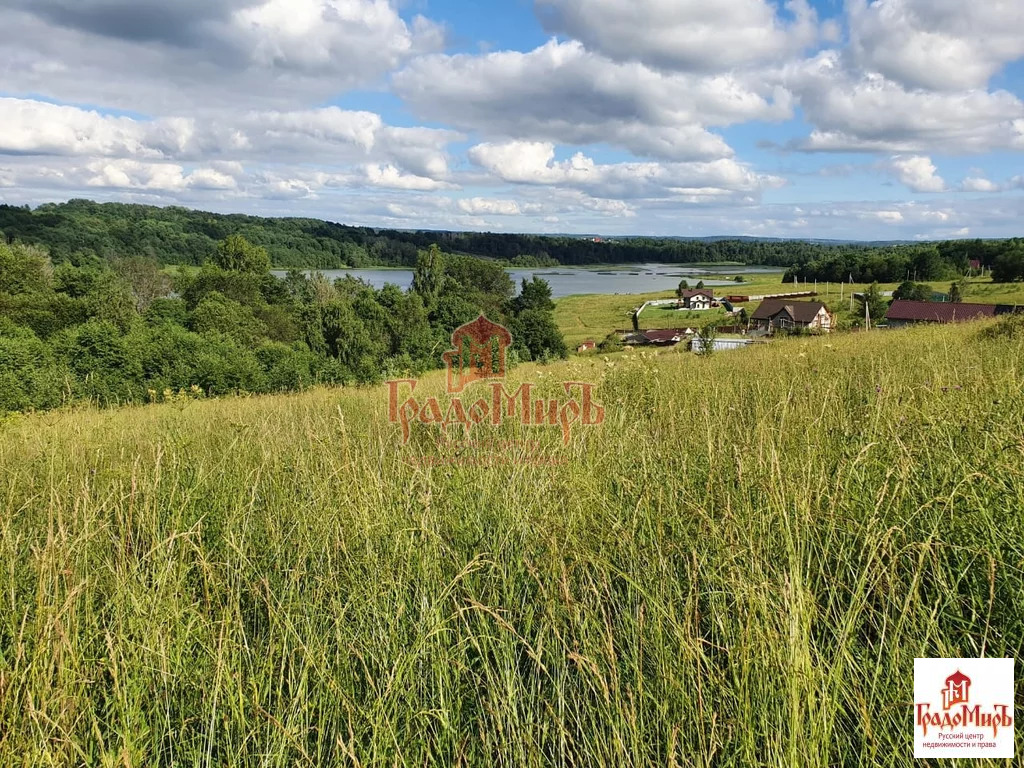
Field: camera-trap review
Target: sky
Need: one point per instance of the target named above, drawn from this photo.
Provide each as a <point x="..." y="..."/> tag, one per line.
<point x="843" y="119"/>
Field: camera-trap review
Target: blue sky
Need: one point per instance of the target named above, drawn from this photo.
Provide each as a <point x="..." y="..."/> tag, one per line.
<point x="864" y="119"/>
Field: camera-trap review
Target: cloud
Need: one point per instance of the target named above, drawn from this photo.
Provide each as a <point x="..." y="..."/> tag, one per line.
<point x="391" y="177"/>
<point x="979" y="184"/>
<point x="686" y="35"/>
<point x="534" y="163"/>
<point x="408" y="158"/>
<point x="918" y="173"/>
<point x="215" y="52"/>
<point x="938" y="45"/>
<point x="854" y="111"/>
<point x="480" y="205"/>
<point x="560" y="92"/>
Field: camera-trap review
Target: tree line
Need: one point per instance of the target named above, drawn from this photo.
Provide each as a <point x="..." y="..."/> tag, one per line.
<point x="123" y="330"/>
<point x="82" y="228"/>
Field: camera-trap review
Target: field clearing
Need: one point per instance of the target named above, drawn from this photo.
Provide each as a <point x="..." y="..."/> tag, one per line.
<point x="737" y="568"/>
<point x="595" y="316"/>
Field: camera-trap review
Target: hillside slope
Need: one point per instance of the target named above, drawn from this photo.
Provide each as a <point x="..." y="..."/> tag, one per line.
<point x="738" y="567"/>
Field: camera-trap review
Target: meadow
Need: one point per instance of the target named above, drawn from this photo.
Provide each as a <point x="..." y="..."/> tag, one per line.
<point x="736" y="569"/>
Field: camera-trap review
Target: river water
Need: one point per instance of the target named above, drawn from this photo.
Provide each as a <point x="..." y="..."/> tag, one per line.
<point x="568" y="281"/>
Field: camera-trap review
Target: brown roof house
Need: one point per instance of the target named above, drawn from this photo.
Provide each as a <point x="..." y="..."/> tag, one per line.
<point x="697" y="300"/>
<point x="586" y="346"/>
<point x="911" y="312"/>
<point x="786" y="314"/>
<point x="666" y="337"/>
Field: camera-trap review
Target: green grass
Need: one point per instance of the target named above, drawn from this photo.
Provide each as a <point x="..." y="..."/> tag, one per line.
<point x="736" y="569"/>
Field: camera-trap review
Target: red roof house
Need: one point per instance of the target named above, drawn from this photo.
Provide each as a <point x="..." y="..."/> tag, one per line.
<point x="911" y="312"/>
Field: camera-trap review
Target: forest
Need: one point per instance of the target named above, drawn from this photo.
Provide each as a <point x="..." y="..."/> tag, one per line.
<point x="81" y="229"/>
<point x="122" y="330"/>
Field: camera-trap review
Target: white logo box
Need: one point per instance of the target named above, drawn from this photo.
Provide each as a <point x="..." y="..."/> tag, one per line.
<point x="963" y="708"/>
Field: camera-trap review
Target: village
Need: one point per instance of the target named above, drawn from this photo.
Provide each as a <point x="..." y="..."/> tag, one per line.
<point x="797" y="312"/>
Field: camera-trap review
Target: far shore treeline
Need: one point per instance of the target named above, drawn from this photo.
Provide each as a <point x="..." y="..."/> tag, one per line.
<point x="174" y="235"/>
<point x="115" y="328"/>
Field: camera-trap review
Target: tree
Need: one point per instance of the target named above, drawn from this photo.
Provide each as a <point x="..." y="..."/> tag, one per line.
<point x="218" y="314"/>
<point x="24" y="269"/>
<point x="956" y="291"/>
<point x="683" y="286"/>
<point x="612" y="343"/>
<point x="739" y="279"/>
<point x="536" y="331"/>
<point x="535" y="294"/>
<point x="1008" y="266"/>
<point x="700" y="285"/>
<point x="429" y="275"/>
<point x="911" y="291"/>
<point x="705" y="339"/>
<point x="874" y="303"/>
<point x="145" y="279"/>
<point x="237" y="254"/>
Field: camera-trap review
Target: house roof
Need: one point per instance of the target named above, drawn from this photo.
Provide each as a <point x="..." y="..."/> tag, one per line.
<point x="799" y="311"/>
<point x="698" y="292"/>
<point x="933" y="312"/>
<point x="663" y="337"/>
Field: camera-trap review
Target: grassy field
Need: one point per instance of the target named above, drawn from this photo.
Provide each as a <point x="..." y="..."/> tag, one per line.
<point x="595" y="316"/>
<point x="736" y="569"/>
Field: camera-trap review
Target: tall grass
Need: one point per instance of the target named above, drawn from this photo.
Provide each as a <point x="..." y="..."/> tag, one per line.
<point x="737" y="569"/>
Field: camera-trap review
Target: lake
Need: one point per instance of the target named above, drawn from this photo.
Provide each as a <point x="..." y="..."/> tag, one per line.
<point x="567" y="281"/>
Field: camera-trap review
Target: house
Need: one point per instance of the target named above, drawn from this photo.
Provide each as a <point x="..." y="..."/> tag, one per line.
<point x="586" y="346"/>
<point x="775" y="314"/>
<point x="912" y="312"/>
<point x="665" y="337"/>
<point x="697" y="300"/>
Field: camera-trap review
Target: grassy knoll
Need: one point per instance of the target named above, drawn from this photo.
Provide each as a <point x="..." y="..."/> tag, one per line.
<point x="737" y="569"/>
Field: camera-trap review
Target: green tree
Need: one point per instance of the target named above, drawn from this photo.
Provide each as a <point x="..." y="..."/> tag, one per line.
<point x="217" y="313"/>
<point x="684" y="285"/>
<point x="535" y="294"/>
<point x="611" y="343"/>
<point x="237" y="254"/>
<point x="911" y="291"/>
<point x="24" y="269"/>
<point x="428" y="275"/>
<point x="535" y="331"/>
<point x="874" y="302"/>
<point x="957" y="291"/>
<point x="700" y="285"/>
<point x="705" y="339"/>
<point x="1008" y="266"/>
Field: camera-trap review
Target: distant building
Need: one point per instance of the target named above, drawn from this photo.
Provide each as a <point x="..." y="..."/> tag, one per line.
<point x="782" y="314"/>
<point x="586" y="346"/>
<point x="697" y="300"/>
<point x="912" y="312"/>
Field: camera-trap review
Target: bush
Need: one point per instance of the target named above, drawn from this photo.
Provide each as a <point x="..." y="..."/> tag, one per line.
<point x="1010" y="327"/>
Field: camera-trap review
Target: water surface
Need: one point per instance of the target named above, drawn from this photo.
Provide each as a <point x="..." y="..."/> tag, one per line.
<point x="568" y="281"/>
